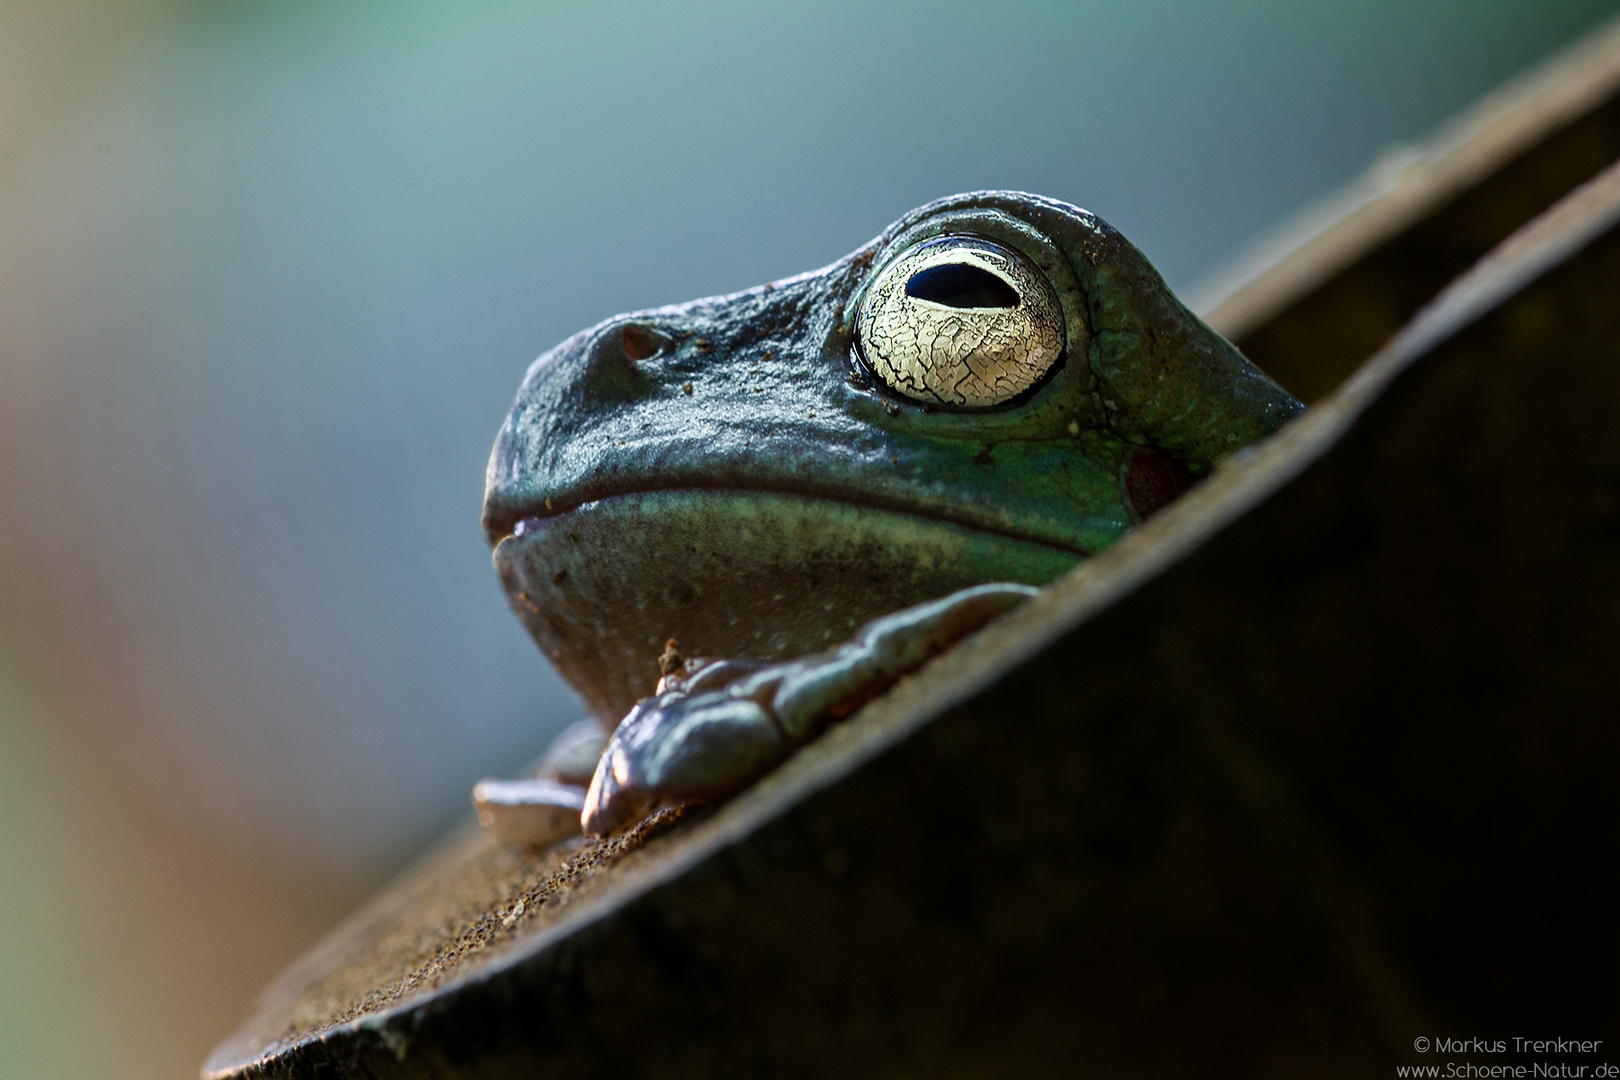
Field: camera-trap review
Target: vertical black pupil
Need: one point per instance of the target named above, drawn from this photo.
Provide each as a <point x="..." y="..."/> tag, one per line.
<point x="961" y="285"/>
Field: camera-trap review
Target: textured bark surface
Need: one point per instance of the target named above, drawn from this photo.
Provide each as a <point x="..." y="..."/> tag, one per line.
<point x="1321" y="759"/>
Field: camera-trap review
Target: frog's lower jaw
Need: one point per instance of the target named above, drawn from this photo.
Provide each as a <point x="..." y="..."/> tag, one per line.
<point x="760" y="575"/>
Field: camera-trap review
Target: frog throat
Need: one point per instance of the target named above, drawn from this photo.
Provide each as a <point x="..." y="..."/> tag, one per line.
<point x="762" y="575"/>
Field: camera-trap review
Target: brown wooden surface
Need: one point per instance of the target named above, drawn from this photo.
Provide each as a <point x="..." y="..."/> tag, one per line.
<point x="1320" y="760"/>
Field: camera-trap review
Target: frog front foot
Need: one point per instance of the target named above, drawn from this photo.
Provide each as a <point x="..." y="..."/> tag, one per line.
<point x="714" y="726"/>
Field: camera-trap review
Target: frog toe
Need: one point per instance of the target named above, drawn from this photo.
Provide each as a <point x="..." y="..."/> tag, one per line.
<point x="537" y="812"/>
<point x="677" y="749"/>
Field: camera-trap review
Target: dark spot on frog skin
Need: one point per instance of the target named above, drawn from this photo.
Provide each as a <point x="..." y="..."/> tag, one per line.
<point x="1152" y="480"/>
<point x="559" y="577"/>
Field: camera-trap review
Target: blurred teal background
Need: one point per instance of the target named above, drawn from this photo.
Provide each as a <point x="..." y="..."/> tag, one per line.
<point x="270" y="274"/>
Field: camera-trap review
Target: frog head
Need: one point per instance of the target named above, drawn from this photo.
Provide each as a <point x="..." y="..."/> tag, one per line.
<point x="993" y="389"/>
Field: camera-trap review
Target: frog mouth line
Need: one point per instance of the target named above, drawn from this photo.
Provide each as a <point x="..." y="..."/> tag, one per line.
<point x="515" y="521"/>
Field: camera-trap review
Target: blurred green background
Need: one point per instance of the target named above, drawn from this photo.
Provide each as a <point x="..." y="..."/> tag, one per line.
<point x="270" y="274"/>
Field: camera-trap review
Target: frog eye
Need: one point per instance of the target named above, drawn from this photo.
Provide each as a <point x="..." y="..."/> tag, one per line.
<point x="960" y="321"/>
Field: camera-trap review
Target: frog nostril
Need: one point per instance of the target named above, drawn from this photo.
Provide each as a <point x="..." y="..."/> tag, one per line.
<point x="643" y="342"/>
<point x="611" y="369"/>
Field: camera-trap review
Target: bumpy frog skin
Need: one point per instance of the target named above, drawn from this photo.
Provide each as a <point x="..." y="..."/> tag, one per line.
<point x="996" y="387"/>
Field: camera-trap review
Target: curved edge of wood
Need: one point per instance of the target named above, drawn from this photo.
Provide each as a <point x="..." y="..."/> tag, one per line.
<point x="1406" y="183"/>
